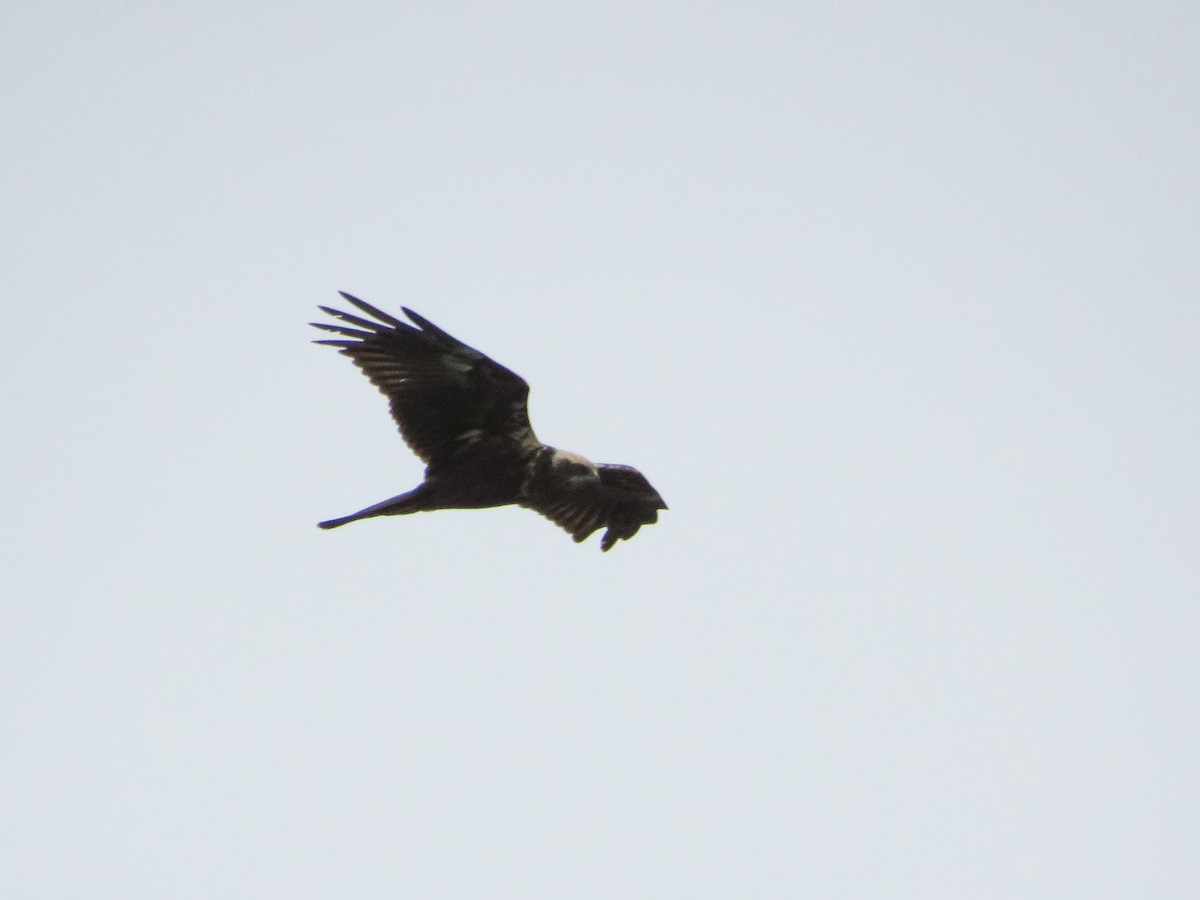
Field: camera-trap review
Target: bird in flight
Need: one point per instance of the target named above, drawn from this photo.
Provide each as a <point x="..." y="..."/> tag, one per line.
<point x="466" y="417"/>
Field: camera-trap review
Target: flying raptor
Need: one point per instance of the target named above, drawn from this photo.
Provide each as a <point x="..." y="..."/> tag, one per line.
<point x="466" y="417"/>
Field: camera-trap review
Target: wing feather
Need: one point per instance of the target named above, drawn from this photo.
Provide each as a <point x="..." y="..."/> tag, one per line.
<point x="620" y="499"/>
<point x="370" y="310"/>
<point x="442" y="393"/>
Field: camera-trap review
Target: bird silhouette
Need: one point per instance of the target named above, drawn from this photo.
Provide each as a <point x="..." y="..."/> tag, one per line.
<point x="467" y="417"/>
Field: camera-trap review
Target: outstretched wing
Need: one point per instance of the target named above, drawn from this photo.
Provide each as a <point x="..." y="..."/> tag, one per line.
<point x="443" y="394"/>
<point x="621" y="500"/>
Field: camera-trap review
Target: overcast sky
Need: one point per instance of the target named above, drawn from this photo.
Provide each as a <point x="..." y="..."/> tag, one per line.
<point x="897" y="306"/>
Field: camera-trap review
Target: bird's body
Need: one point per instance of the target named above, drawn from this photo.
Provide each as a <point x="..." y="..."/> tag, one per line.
<point x="466" y="416"/>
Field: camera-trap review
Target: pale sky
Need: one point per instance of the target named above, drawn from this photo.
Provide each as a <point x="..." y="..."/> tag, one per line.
<point x="896" y="305"/>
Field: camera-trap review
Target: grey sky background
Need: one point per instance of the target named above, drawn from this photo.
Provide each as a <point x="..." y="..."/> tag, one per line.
<point x="895" y="304"/>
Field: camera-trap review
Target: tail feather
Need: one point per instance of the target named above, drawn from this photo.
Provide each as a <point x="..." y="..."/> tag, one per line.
<point x="399" y="505"/>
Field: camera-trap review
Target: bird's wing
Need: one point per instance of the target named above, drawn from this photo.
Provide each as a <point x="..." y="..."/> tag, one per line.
<point x="443" y="394"/>
<point x="621" y="501"/>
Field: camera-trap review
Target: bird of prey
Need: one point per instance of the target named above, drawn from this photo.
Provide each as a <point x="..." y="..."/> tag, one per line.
<point x="466" y="417"/>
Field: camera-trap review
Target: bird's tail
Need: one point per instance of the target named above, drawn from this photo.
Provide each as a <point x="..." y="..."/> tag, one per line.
<point x="409" y="502"/>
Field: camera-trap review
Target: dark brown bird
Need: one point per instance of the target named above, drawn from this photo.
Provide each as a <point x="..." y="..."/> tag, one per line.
<point x="466" y="416"/>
